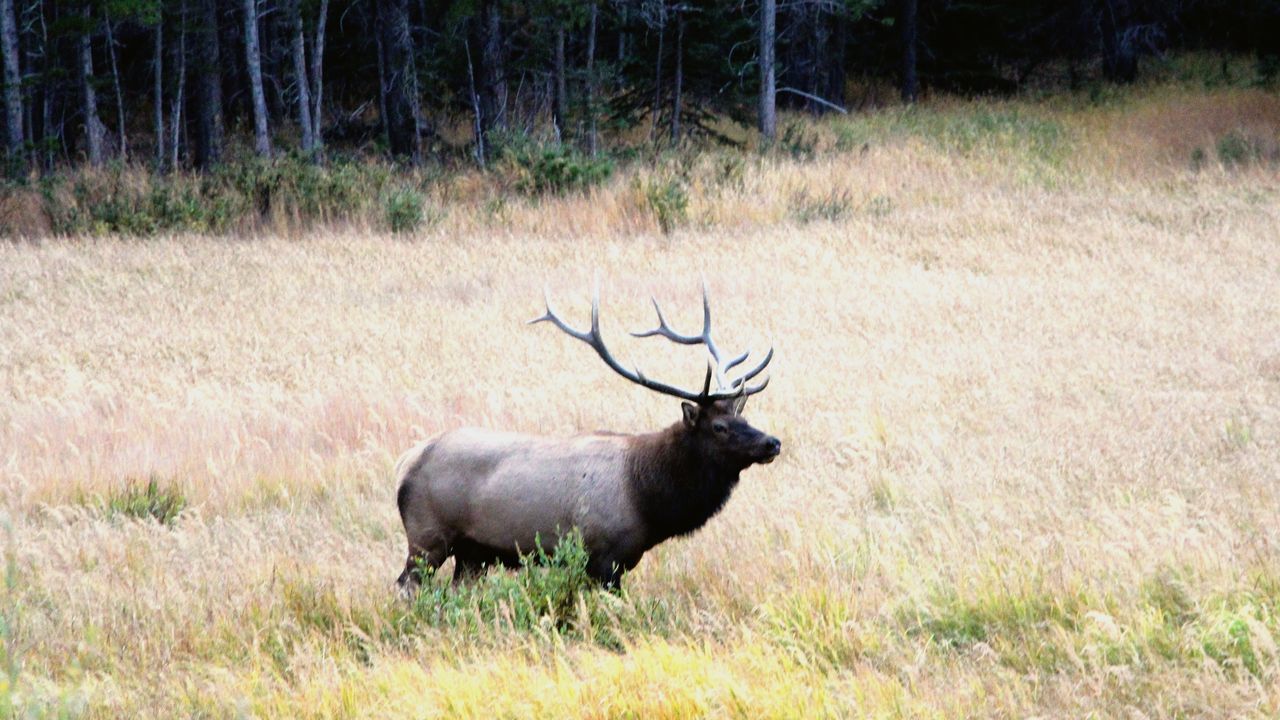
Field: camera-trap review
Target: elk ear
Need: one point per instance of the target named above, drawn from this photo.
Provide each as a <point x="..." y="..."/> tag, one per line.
<point x="691" y="412"/>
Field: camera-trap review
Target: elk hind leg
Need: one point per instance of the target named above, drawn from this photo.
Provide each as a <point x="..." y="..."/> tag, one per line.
<point x="420" y="560"/>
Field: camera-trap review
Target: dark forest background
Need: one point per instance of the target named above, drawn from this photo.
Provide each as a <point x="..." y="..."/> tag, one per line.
<point x="182" y="84"/>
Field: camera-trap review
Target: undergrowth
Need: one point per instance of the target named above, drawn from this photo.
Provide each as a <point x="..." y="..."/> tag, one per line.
<point x="162" y="502"/>
<point x="550" y="595"/>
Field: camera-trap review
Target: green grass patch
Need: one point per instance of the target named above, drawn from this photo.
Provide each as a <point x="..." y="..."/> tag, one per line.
<point x="550" y="598"/>
<point x="550" y="595"/>
<point x="969" y="130"/>
<point x="1018" y="625"/>
<point x="667" y="200"/>
<point x="162" y="502"/>
<point x="536" y="169"/>
<point x="832" y="206"/>
<point x="817" y="627"/>
<point x="287" y="191"/>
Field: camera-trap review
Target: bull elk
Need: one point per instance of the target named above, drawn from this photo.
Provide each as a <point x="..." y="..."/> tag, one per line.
<point x="485" y="496"/>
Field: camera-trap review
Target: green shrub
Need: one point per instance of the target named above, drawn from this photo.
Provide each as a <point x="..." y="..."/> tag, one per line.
<point x="1198" y="158"/>
<point x="550" y="169"/>
<point x="550" y="595"/>
<point x="405" y="210"/>
<point x="163" y="503"/>
<point x="799" y="143"/>
<point x="836" y="204"/>
<point x="1014" y="623"/>
<point x="292" y="190"/>
<point x="1235" y="149"/>
<point x="668" y="201"/>
<point x="879" y="206"/>
<point x="728" y="170"/>
<point x="1267" y="69"/>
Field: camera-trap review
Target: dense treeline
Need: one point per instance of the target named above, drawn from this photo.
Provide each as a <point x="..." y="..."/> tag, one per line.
<point x="185" y="83"/>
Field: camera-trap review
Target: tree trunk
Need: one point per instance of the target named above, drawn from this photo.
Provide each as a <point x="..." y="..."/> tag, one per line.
<point x="208" y="77"/>
<point x="253" y="56"/>
<point x="12" y="79"/>
<point x="679" y="79"/>
<point x="31" y="51"/>
<point x="493" y="83"/>
<point x="591" y="79"/>
<point x="768" y="78"/>
<point x="402" y="131"/>
<point x="299" y="53"/>
<point x="317" y="77"/>
<point x="115" y="82"/>
<point x="818" y="56"/>
<point x="89" y="96"/>
<point x="478" y="126"/>
<point x="910" y="84"/>
<point x="558" y="100"/>
<point x="657" y="76"/>
<point x="623" y="16"/>
<point x="33" y="101"/>
<point x="835" y="91"/>
<point x="157" y="66"/>
<point x="47" y="131"/>
<point x="381" y="52"/>
<point x="175" y="114"/>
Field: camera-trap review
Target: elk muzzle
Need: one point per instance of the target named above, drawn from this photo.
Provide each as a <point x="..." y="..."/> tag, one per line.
<point x="770" y="448"/>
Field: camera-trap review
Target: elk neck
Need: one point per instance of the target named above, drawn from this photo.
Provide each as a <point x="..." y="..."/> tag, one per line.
<point x="673" y="485"/>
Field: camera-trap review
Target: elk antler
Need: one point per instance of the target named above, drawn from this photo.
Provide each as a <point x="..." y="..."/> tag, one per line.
<point x="718" y="368"/>
<point x="725" y="387"/>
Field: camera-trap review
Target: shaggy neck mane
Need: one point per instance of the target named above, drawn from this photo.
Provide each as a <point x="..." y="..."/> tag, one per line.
<point x="675" y="489"/>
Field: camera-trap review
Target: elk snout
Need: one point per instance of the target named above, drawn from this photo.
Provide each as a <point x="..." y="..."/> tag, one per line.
<point x="770" y="447"/>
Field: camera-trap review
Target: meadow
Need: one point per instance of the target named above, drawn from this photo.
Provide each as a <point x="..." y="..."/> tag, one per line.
<point x="1027" y="383"/>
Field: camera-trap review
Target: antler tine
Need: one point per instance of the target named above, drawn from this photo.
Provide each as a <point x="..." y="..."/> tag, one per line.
<point x="737" y="361"/>
<point x="704" y="338"/>
<point x="665" y="330"/>
<point x="748" y="391"/>
<point x="551" y="316"/>
<point x="596" y="340"/>
<point x="755" y="370"/>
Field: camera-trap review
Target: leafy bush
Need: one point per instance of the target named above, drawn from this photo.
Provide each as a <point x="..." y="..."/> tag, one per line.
<point x="668" y="200"/>
<point x="404" y="210"/>
<point x="130" y="201"/>
<point x="550" y="595"/>
<point x="163" y="503"/>
<point x="1235" y="148"/>
<point x="1267" y="69"/>
<point x="836" y="204"/>
<point x="555" y="169"/>
<point x="294" y="189"/>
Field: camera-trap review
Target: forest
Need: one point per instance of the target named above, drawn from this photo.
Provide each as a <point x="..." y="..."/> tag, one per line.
<point x="192" y="84"/>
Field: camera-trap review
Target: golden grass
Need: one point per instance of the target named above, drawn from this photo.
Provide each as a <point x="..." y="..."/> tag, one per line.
<point x="1029" y="400"/>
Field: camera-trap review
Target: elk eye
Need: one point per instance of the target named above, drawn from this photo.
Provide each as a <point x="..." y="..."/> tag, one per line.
<point x="718" y="428"/>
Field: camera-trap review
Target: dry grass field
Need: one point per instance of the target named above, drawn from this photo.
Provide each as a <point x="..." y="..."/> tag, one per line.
<point x="1027" y="381"/>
